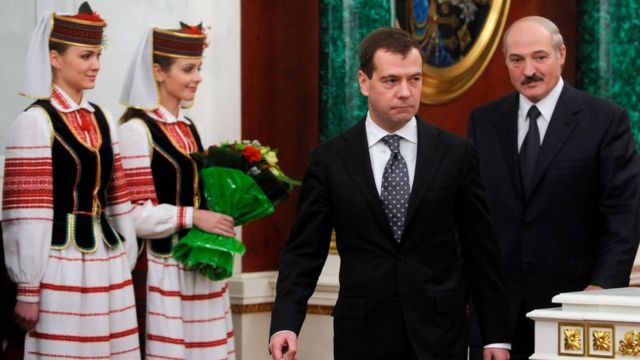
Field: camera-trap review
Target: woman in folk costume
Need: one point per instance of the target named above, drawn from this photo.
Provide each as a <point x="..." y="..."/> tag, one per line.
<point x="187" y="315"/>
<point x="69" y="238"/>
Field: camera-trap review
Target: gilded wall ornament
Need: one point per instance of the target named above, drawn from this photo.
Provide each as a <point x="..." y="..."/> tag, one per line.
<point x="457" y="38"/>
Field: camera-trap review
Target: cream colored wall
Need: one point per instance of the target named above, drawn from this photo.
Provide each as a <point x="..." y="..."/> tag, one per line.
<point x="252" y="331"/>
<point x="252" y="295"/>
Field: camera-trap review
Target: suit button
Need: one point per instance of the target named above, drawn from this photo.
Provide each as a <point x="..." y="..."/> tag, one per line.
<point x="527" y="226"/>
<point x="400" y="257"/>
<point x="397" y="297"/>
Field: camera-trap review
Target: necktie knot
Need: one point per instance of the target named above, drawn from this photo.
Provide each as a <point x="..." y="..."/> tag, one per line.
<point x="393" y="142"/>
<point x="533" y="113"/>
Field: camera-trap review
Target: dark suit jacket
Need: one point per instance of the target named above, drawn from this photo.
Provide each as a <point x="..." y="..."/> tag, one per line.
<point x="419" y="285"/>
<point x="579" y="223"/>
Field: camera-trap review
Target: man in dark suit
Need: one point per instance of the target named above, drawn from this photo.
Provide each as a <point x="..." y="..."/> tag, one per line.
<point x="411" y="222"/>
<point x="561" y="173"/>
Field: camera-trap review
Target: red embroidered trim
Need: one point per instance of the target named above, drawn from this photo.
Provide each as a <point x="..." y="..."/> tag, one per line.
<point x="140" y="183"/>
<point x="185" y="297"/>
<point x="80" y="120"/>
<point x="86" y="289"/>
<point x="179" y="132"/>
<point x="44" y="311"/>
<point x="84" y="339"/>
<point x="28" y="183"/>
<point x="190" y="344"/>
<point x="27" y="290"/>
<point x="182" y="217"/>
<point x="61" y="356"/>
<point x="169" y="317"/>
<point x="118" y="191"/>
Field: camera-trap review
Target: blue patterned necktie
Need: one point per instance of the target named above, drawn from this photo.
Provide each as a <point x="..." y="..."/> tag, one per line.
<point x="395" y="187"/>
<point x="529" y="149"/>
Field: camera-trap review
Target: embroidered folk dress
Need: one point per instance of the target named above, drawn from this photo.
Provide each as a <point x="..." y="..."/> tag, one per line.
<point x="188" y="316"/>
<point x="68" y="236"/>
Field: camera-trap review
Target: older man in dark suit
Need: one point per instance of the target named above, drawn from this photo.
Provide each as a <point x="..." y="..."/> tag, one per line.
<point x="562" y="177"/>
<point x="412" y="228"/>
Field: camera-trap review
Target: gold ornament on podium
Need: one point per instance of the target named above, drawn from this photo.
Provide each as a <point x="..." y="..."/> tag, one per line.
<point x="602" y="340"/>
<point x="630" y="344"/>
<point x="572" y="339"/>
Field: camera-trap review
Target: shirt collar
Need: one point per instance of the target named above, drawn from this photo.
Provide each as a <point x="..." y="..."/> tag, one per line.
<point x="163" y="115"/>
<point x="375" y="133"/>
<point x="546" y="105"/>
<point x="63" y="102"/>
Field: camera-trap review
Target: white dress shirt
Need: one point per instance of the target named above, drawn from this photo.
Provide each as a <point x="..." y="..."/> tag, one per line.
<point x="379" y="152"/>
<point x="546" y="107"/>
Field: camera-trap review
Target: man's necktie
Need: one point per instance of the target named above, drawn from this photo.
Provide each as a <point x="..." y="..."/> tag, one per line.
<point x="529" y="149"/>
<point x="395" y="187"/>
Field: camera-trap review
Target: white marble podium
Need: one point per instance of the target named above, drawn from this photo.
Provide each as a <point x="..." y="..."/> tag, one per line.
<point x="590" y="325"/>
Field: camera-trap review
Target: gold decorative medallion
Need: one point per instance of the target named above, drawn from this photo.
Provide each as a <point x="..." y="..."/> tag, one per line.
<point x="571" y="340"/>
<point x="457" y="39"/>
<point x="630" y="344"/>
<point x="601" y="340"/>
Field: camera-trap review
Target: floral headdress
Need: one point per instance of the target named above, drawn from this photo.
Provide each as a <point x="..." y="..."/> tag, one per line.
<point x="82" y="29"/>
<point x="186" y="42"/>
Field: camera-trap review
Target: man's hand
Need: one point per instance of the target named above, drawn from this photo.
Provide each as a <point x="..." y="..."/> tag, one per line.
<point x="495" y="354"/>
<point x="26" y="315"/>
<point x="282" y="343"/>
<point x="593" y="287"/>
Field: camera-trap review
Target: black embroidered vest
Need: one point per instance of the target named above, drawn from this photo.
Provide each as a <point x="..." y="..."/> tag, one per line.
<point x="81" y="175"/>
<point x="175" y="177"/>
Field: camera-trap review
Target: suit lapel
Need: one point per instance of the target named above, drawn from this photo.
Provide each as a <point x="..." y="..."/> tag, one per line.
<point x="429" y="157"/>
<point x="357" y="163"/>
<point x="506" y="126"/>
<point x="562" y="123"/>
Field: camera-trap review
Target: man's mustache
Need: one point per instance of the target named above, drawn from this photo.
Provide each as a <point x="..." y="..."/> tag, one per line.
<point x="530" y="79"/>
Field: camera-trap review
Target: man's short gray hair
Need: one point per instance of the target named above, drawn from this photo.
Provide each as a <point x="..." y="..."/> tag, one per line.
<point x="547" y="24"/>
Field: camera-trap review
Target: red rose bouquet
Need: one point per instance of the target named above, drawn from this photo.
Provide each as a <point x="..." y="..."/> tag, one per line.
<point x="242" y="180"/>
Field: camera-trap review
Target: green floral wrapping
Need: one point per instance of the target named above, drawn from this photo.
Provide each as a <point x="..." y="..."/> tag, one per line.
<point x="231" y="192"/>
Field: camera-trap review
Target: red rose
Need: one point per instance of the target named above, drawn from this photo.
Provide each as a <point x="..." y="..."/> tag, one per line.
<point x="194" y="30"/>
<point x="251" y="154"/>
<point x="94" y="17"/>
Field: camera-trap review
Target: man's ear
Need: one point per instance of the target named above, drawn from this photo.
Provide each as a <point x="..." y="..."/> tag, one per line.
<point x="562" y="54"/>
<point x="363" y="81"/>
